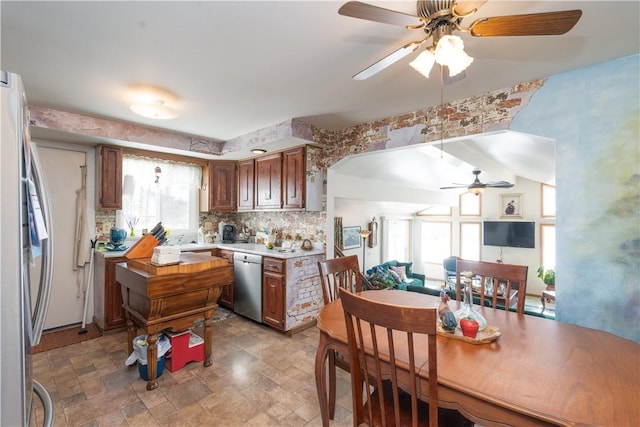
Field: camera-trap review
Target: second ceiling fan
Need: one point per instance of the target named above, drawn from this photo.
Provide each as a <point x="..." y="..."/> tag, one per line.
<point x="477" y="187"/>
<point x="439" y="19"/>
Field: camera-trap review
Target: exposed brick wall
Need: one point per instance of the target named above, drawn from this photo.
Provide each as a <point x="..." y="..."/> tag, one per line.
<point x="484" y="113"/>
<point x="304" y="294"/>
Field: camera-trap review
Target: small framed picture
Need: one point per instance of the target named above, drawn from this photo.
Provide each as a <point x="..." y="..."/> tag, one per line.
<point x="351" y="237"/>
<point x="511" y="205"/>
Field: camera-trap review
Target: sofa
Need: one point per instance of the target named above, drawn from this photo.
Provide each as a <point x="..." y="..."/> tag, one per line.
<point x="394" y="275"/>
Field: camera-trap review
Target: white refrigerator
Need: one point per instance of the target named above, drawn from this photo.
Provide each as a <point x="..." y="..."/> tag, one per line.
<point x="24" y="237"/>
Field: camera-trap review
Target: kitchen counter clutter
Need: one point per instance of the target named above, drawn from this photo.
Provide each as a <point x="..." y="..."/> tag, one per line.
<point x="260" y="249"/>
<point x="252" y="248"/>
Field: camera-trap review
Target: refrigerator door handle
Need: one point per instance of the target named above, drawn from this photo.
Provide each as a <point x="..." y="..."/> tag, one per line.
<point x="46" y="277"/>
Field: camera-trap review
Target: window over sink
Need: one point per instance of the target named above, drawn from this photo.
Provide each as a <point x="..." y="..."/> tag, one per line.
<point x="155" y="190"/>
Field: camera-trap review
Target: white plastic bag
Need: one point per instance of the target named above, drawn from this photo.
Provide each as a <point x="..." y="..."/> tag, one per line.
<point x="139" y="353"/>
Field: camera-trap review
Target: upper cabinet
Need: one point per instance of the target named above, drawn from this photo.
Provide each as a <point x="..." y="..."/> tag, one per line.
<point x="281" y="182"/>
<point x="293" y="182"/>
<point x="109" y="178"/>
<point x="222" y="186"/>
<point x="245" y="185"/>
<point x="268" y="187"/>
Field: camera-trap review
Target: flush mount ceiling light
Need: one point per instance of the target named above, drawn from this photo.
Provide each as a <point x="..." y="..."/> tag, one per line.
<point x="153" y="102"/>
<point x="154" y="110"/>
<point x="258" y="150"/>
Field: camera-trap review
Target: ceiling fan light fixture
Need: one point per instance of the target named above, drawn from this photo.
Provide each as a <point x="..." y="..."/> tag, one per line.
<point x="154" y="110"/>
<point x="477" y="190"/>
<point x="450" y="52"/>
<point x="424" y="62"/>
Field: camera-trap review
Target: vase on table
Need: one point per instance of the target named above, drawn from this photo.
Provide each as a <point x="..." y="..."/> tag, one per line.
<point x="468" y="311"/>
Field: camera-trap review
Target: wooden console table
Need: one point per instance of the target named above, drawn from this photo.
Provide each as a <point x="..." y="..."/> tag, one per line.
<point x="156" y="298"/>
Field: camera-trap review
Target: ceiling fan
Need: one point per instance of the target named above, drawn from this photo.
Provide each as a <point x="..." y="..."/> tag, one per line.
<point x="477" y="187"/>
<point x="439" y="19"/>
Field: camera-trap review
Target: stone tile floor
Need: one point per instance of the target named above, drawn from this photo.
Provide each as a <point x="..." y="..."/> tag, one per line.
<point x="259" y="377"/>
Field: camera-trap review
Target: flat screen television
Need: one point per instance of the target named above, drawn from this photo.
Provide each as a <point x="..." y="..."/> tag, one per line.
<point x="514" y="234"/>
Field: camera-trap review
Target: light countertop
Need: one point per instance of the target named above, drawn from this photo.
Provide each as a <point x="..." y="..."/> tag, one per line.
<point x="251" y="248"/>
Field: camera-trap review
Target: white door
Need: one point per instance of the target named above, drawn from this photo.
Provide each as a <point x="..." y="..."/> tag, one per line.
<point x="63" y="177"/>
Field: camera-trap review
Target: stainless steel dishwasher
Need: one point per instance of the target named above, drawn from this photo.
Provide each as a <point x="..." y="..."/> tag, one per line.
<point x="247" y="288"/>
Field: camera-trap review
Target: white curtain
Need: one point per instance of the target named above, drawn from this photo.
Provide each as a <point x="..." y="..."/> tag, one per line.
<point x="170" y="196"/>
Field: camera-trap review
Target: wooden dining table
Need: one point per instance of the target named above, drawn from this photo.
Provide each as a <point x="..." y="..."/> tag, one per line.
<point x="537" y="372"/>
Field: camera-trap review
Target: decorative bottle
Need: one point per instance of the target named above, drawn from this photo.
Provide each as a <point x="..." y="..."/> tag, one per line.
<point x="467" y="310"/>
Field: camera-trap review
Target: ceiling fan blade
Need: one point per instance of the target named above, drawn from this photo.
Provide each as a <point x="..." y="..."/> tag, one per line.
<point x="356" y="9"/>
<point x="388" y="60"/>
<point x="451" y="187"/>
<point x="499" y="184"/>
<point x="465" y="7"/>
<point x="535" y="24"/>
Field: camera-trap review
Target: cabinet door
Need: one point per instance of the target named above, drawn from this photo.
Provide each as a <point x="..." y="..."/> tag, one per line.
<point x="222" y="186"/>
<point x="245" y="185"/>
<point x="110" y="178"/>
<point x="273" y="299"/>
<point x="113" y="311"/>
<point x="226" y="297"/>
<point x="293" y="183"/>
<point x="268" y="189"/>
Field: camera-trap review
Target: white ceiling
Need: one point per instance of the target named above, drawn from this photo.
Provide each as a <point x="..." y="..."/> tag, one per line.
<point x="239" y="66"/>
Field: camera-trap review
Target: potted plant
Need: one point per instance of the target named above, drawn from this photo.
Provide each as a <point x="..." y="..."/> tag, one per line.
<point x="548" y="276"/>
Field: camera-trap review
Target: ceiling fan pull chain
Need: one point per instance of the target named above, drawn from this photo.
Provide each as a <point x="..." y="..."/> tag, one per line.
<point x="441" y="106"/>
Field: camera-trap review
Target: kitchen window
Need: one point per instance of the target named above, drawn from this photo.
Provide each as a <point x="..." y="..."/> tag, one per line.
<point x="155" y="191"/>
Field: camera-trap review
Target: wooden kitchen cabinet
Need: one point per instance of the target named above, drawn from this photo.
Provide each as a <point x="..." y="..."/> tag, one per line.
<point x="268" y="188"/>
<point x="108" y="310"/>
<point x="109" y="178"/>
<point x="293" y="179"/>
<point x="222" y="186"/>
<point x="274" y="292"/>
<point x="226" y="297"/>
<point x="245" y="185"/>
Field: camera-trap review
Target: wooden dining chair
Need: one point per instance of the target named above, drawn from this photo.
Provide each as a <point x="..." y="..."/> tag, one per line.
<point x="343" y="272"/>
<point x="506" y="279"/>
<point x="337" y="273"/>
<point x="379" y="335"/>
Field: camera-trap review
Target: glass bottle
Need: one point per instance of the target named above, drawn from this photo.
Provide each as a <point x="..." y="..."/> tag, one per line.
<point x="467" y="310"/>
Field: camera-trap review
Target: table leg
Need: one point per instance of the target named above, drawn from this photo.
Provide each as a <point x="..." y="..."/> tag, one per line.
<point x="131" y="334"/>
<point x="152" y="361"/>
<point x="543" y="300"/>
<point x="321" y="380"/>
<point x="208" y="341"/>
<point x="332" y="383"/>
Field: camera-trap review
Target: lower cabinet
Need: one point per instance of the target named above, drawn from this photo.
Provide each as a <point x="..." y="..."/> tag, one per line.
<point x="108" y="310"/>
<point x="274" y="285"/>
<point x="226" y="297"/>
